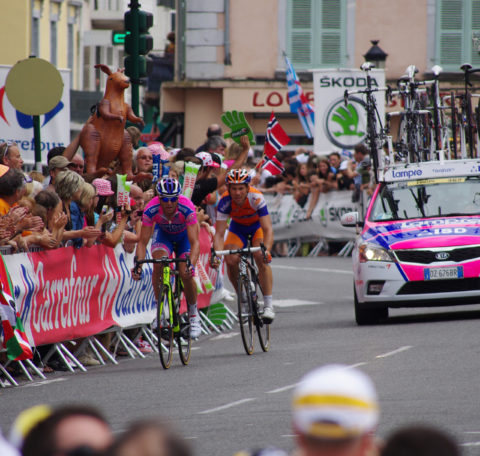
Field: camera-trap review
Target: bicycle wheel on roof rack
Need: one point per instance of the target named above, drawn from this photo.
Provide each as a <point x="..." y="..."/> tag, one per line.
<point x="164" y="329"/>
<point x="453" y="113"/>
<point x="245" y="315"/>
<point x="182" y="336"/>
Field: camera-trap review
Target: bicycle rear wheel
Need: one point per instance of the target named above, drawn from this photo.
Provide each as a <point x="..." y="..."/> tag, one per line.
<point x="263" y="329"/>
<point x="245" y="316"/>
<point x="164" y="329"/>
<point x="184" y="342"/>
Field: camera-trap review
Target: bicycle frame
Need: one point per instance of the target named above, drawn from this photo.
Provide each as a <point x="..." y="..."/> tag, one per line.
<point x="171" y="329"/>
<point x="248" y="283"/>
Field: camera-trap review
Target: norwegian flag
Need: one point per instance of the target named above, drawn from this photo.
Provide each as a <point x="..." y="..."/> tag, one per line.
<point x="275" y="138"/>
<point x="273" y="166"/>
<point x="298" y="101"/>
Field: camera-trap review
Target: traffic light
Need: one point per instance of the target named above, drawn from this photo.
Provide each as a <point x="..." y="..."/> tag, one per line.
<point x="138" y="43"/>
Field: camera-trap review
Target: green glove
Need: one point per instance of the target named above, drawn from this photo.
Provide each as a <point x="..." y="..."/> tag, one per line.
<point x="236" y="122"/>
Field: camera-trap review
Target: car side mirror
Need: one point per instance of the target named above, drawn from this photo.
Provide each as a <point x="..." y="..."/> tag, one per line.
<point x="351" y="220"/>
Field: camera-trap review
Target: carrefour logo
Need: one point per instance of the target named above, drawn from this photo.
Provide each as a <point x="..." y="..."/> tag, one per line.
<point x="25" y="121"/>
<point x="408" y="173"/>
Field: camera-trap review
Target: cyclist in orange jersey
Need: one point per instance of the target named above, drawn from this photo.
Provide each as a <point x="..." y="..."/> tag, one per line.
<point x="247" y="209"/>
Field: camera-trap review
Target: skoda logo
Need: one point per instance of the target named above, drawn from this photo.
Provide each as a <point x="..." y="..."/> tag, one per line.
<point x="442" y="256"/>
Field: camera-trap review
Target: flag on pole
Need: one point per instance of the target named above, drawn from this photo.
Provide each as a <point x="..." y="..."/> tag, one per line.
<point x="275" y="139"/>
<point x="14" y="337"/>
<point x="298" y="101"/>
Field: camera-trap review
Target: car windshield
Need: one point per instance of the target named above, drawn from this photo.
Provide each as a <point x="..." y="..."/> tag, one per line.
<point x="457" y="196"/>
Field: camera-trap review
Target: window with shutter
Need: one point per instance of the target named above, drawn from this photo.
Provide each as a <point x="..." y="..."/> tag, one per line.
<point x="456" y="21"/>
<point x="316" y="33"/>
<point x="475" y="55"/>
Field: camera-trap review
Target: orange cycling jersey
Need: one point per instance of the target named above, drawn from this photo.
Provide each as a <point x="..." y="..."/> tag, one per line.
<point x="248" y="213"/>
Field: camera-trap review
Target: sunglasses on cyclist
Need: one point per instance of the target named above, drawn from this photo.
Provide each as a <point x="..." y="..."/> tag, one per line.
<point x="169" y="199"/>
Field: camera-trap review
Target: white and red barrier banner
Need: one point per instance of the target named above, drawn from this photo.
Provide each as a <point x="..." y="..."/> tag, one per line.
<point x="289" y="219"/>
<point x="69" y="293"/>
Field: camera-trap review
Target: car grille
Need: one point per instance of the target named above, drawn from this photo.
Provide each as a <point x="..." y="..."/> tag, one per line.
<point x="428" y="256"/>
<point x="440" y="286"/>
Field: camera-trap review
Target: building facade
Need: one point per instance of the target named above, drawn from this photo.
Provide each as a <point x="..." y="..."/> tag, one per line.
<point x="232" y="52"/>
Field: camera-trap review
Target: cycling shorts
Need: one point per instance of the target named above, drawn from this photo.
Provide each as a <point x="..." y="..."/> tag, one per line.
<point x="238" y="234"/>
<point x="177" y="243"/>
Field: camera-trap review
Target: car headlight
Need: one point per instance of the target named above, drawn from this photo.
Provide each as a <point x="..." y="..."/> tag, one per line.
<point x="371" y="252"/>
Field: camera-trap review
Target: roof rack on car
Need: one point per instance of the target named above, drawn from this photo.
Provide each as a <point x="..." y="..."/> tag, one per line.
<point x="437" y="136"/>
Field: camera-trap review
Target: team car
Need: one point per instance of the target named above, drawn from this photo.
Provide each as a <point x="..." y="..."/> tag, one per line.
<point x="418" y="244"/>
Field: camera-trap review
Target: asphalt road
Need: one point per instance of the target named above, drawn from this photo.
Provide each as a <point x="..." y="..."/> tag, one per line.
<point x="424" y="362"/>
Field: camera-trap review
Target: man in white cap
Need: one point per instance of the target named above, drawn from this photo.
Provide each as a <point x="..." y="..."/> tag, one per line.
<point x="335" y="412"/>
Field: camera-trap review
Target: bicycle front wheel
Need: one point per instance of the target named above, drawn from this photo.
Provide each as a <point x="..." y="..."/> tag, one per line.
<point x="184" y="342"/>
<point x="263" y="329"/>
<point x="164" y="329"/>
<point x="245" y="315"/>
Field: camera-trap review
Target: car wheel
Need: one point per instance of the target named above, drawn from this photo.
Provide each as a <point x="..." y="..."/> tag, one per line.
<point x="368" y="316"/>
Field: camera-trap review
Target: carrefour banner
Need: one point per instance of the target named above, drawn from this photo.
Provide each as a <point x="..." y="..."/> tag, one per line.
<point x="69" y="293"/>
<point x="18" y="127"/>
<point x="338" y="125"/>
<point x="289" y="219"/>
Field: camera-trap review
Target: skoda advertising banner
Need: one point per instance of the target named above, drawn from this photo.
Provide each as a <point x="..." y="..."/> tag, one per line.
<point x="18" y="127"/>
<point x="340" y="126"/>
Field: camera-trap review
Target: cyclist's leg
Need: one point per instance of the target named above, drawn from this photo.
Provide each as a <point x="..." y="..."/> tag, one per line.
<point x="161" y="246"/>
<point x="265" y="277"/>
<point x="189" y="286"/>
<point x="236" y="239"/>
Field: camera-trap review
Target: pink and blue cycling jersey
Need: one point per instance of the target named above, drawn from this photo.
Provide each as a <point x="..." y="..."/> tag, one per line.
<point x="185" y="216"/>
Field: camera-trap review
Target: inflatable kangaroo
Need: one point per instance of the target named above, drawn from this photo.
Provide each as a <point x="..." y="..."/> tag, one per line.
<point x="104" y="138"/>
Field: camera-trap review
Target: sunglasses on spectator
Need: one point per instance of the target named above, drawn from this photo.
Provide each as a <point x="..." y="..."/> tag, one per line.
<point x="74" y="166"/>
<point x="6" y="146"/>
<point x="169" y="199"/>
<point x="83" y="450"/>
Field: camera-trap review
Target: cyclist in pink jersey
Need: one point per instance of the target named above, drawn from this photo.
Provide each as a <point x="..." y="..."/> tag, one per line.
<point x="170" y="220"/>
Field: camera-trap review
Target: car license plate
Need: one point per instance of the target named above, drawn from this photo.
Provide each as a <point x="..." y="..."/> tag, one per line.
<point x="443" y="273"/>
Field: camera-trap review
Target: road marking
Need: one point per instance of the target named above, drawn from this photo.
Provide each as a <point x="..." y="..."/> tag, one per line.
<point x="288" y="435"/>
<point x="338" y="271"/>
<point x="283" y="388"/>
<point x="294" y="303"/>
<point x="352" y="366"/>
<point x="394" y="352"/>
<point x="470" y="444"/>
<point x="45" y="382"/>
<point x="225" y="336"/>
<point x="226" y="406"/>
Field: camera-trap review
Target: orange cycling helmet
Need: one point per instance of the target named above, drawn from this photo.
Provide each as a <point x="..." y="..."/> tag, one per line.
<point x="238" y="176"/>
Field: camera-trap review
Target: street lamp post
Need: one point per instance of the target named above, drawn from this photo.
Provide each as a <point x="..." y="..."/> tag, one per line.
<point x="376" y="55"/>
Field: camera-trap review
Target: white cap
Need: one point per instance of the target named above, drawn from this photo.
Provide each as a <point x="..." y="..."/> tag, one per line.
<point x="335" y="402"/>
<point x="343" y="165"/>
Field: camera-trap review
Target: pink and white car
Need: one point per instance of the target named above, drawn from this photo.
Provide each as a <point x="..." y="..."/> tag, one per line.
<point x="420" y="241"/>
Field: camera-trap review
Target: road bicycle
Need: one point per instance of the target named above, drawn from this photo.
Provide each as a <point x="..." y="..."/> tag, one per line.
<point x="249" y="309"/>
<point x="466" y="117"/>
<point x="415" y="138"/>
<point x="376" y="133"/>
<point x="171" y="327"/>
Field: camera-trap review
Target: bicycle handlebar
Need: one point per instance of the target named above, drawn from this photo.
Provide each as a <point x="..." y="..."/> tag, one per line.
<point x="164" y="260"/>
<point x="240" y="251"/>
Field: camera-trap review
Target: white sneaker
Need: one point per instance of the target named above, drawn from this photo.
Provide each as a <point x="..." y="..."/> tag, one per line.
<point x="195" y="326"/>
<point x="268" y="314"/>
